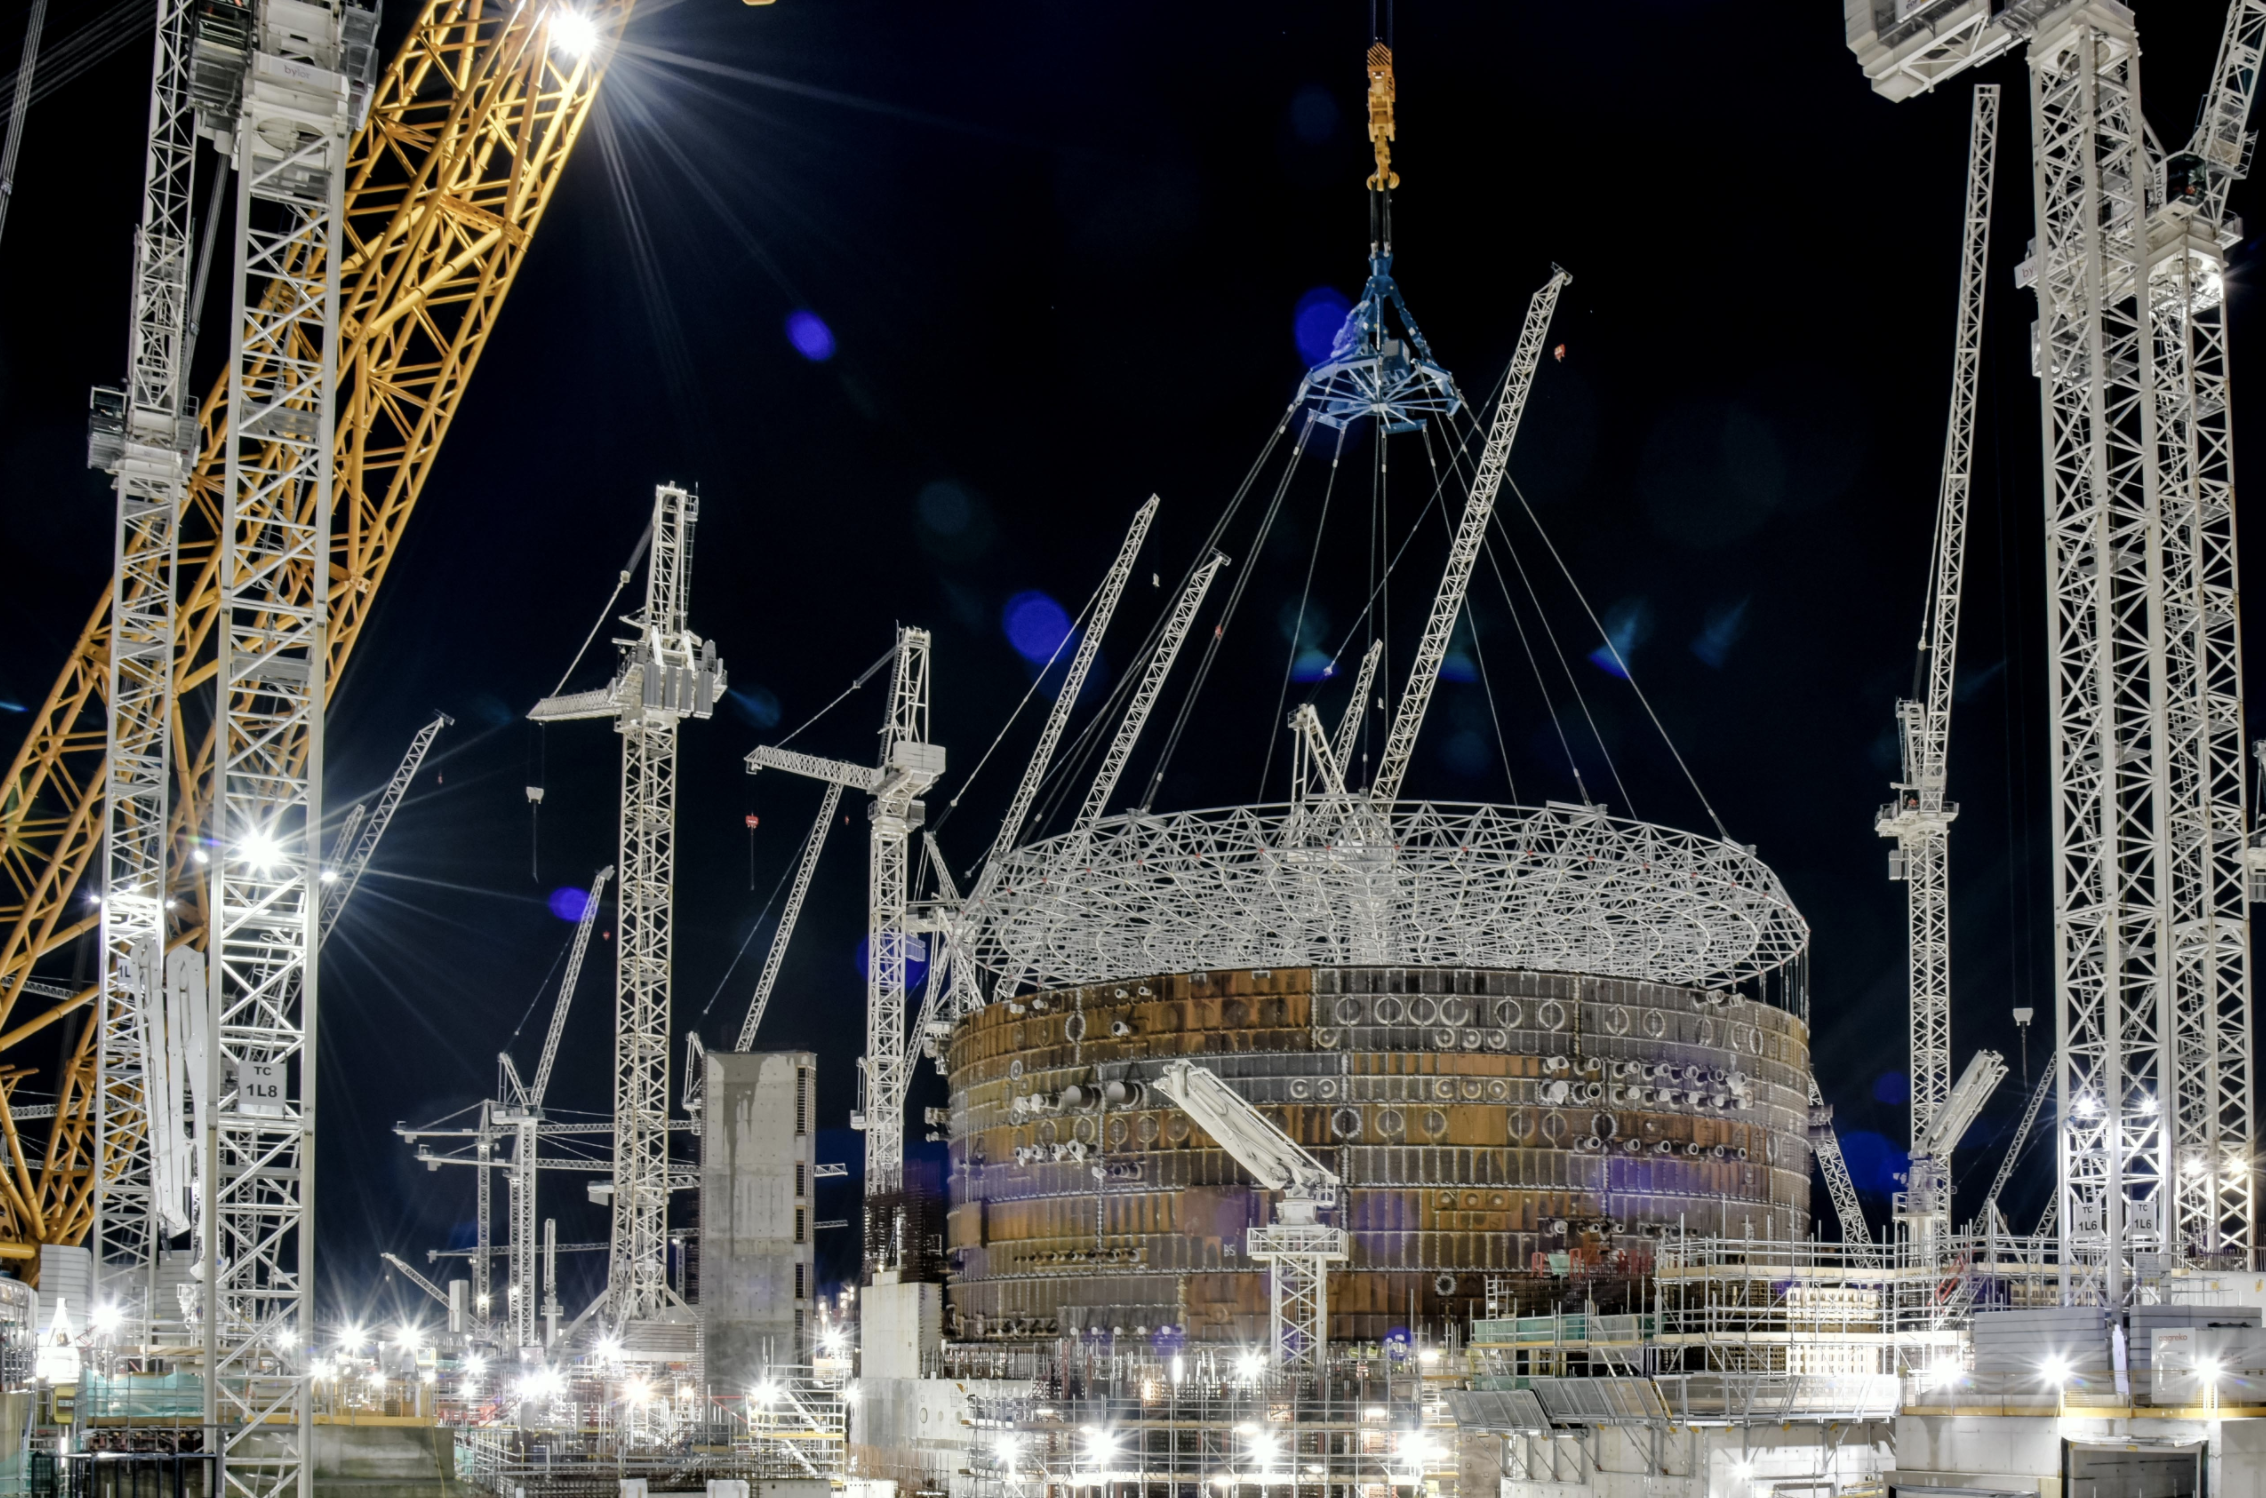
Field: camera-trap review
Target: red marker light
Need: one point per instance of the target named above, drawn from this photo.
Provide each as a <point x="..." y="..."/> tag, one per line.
<point x="752" y="820"/>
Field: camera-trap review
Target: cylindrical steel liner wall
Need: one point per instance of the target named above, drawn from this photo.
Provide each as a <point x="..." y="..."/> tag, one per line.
<point x="1484" y="1122"/>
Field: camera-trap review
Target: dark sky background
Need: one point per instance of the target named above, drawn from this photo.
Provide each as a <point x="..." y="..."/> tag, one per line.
<point x="1060" y="251"/>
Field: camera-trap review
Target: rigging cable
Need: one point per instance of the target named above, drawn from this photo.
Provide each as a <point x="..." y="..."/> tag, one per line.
<point x="1298" y="628"/>
<point x="1543" y="618"/>
<point x="1234" y="598"/>
<point x="1627" y="674"/>
<point x="20" y="107"/>
<point x="1211" y="542"/>
<point x="760" y="917"/>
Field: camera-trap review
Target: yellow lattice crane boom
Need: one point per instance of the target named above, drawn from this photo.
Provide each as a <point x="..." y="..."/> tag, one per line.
<point x="467" y="134"/>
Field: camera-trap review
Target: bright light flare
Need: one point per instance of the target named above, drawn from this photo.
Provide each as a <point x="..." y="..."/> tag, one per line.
<point x="573" y="33"/>
<point x="260" y="849"/>
<point x="2055" y="1370"/>
<point x="106" y="1318"/>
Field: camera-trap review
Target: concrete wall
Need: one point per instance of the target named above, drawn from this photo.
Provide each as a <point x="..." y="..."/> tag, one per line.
<point x="915" y="1431"/>
<point x="756" y="1163"/>
<point x="1787" y="1461"/>
<point x="900" y="1329"/>
<point x="2022" y="1453"/>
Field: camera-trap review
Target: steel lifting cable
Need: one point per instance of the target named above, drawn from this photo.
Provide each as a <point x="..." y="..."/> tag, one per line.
<point x="637" y="554"/>
<point x="1038" y="679"/>
<point x="20" y="107"/>
<point x="863" y="677"/>
<point x="1227" y="615"/>
<point x="1109" y="704"/>
<point x="1373" y="607"/>
<point x="1627" y="675"/>
<point x="1298" y="629"/>
<point x="1542" y="618"/>
<point x="538" y="995"/>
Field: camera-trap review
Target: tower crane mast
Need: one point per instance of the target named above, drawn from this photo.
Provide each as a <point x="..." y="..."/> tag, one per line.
<point x="666" y="674"/>
<point x="468" y="132"/>
<point x="1920" y="816"/>
<point x="2152" y="968"/>
<point x="910" y="764"/>
<point x="147" y="452"/>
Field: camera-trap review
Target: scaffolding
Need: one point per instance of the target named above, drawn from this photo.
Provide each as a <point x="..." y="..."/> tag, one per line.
<point x="1369" y="1423"/>
<point x="1801" y="1307"/>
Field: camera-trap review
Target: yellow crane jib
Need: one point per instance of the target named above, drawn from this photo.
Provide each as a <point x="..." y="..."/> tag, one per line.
<point x="1381" y="116"/>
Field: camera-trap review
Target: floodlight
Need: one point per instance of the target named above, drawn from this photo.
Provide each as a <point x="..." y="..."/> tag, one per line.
<point x="573" y="33"/>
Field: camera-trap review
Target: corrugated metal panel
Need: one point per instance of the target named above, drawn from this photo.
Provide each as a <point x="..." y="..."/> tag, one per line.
<point x="1599" y="1401"/>
<point x="1503" y="1412"/>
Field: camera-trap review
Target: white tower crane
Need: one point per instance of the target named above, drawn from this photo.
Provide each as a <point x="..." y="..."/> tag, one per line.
<point x="1920" y="817"/>
<point x="1296" y="1246"/>
<point x="2152" y="976"/>
<point x="910" y="764"/>
<point x="286" y="84"/>
<point x="667" y="674"/>
<point x="521" y="1108"/>
<point x="140" y="439"/>
<point x="1471" y="533"/>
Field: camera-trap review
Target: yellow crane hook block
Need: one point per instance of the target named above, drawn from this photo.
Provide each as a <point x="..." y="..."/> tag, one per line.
<point x="1381" y="116"/>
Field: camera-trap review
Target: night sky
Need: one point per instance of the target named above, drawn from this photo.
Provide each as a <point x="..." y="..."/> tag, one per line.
<point x="1054" y="256"/>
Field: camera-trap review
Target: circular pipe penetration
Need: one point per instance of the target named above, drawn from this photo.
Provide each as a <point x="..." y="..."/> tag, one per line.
<point x="1485" y="1123"/>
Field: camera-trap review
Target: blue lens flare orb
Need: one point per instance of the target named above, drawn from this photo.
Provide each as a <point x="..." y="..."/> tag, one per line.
<point x="810" y="336"/>
<point x="569" y="903"/>
<point x="1321" y="312"/>
<point x="1035" y="625"/>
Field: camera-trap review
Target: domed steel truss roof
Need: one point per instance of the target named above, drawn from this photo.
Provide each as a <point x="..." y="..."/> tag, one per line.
<point x="1416" y="884"/>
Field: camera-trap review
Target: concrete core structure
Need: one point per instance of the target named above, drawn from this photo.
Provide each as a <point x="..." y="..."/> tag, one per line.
<point x="757" y="1161"/>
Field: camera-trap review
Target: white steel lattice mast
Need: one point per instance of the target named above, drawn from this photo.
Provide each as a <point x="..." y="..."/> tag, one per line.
<point x="667" y="674"/>
<point x="294" y="73"/>
<point x="1471" y="533"/>
<point x="147" y="453"/>
<point x="2153" y="1094"/>
<point x="1176" y="628"/>
<point x="910" y="764"/>
<point x="521" y="1107"/>
<point x="1920" y="817"/>
<point x="358" y="838"/>
<point x="828" y="804"/>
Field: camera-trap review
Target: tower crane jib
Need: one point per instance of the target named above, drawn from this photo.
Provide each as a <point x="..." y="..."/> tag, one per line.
<point x="1177" y="625"/>
<point x="1463" y="555"/>
<point x="1058" y="715"/>
<point x="772" y="959"/>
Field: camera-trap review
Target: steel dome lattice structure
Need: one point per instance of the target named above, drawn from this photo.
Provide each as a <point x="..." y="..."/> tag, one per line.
<point x="1559" y="888"/>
